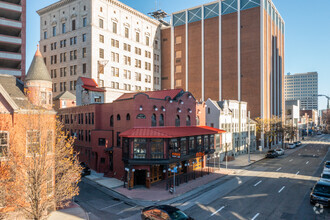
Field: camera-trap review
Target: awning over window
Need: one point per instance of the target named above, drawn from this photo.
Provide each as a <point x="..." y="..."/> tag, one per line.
<point x="169" y="132"/>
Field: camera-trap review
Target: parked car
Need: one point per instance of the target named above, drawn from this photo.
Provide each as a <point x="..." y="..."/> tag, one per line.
<point x="279" y="151"/>
<point x="326" y="167"/>
<point x="325" y="176"/>
<point x="291" y="145"/>
<point x="319" y="133"/>
<point x="271" y="154"/>
<point x="163" y="212"/>
<point x="298" y="143"/>
<point x="86" y="170"/>
<point x="320" y="193"/>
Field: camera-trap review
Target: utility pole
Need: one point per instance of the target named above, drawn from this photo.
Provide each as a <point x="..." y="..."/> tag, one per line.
<point x="249" y="136"/>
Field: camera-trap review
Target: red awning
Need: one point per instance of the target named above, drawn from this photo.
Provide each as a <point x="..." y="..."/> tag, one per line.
<point x="93" y="89"/>
<point x="169" y="132"/>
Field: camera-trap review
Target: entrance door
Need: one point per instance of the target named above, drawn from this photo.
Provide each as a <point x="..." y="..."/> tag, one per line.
<point x="140" y="177"/>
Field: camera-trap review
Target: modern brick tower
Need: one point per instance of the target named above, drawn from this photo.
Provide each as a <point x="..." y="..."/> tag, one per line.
<point x="227" y="50"/>
<point x="12" y="37"/>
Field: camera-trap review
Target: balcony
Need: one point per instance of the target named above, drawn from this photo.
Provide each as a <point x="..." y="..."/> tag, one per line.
<point x="10" y="44"/>
<point x="10" y="23"/>
<point x="10" y="11"/>
<point x="10" y="56"/>
<point x="14" y="72"/>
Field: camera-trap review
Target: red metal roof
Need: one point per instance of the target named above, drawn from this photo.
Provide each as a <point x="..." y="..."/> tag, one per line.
<point x="169" y="132"/>
<point x="161" y="94"/>
<point x="88" y="82"/>
<point x="93" y="89"/>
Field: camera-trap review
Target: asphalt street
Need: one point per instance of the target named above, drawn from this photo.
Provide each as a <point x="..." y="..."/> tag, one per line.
<point x="276" y="188"/>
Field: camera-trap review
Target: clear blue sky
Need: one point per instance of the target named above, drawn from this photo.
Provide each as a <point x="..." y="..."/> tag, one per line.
<point x="307" y="40"/>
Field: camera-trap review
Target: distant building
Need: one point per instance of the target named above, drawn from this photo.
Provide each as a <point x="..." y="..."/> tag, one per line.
<point x="13" y="37"/>
<point x="303" y="87"/>
<point x="64" y="100"/>
<point x="231" y="116"/>
<point x="106" y="41"/>
<point x="140" y="136"/>
<point x="228" y="50"/>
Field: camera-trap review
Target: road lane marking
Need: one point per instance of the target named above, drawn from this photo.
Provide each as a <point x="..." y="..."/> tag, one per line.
<point x="126" y="210"/>
<point x="255" y="216"/>
<point x="258" y="183"/>
<point x="279" y="169"/>
<point x="217" y="211"/>
<point x="307" y="162"/>
<point x="281" y="189"/>
<point x="290" y="160"/>
<point x="297" y="173"/>
<point x="112" y="205"/>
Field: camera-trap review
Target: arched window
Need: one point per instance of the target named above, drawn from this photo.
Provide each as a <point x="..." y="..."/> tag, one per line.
<point x="197" y="120"/>
<point x="118" y="117"/>
<point x="153" y="120"/>
<point x="161" y="120"/>
<point x="177" y="121"/>
<point x="188" y="123"/>
<point x="128" y="117"/>
<point x="111" y="121"/>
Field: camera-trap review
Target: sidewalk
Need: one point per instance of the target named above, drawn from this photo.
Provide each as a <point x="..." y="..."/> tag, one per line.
<point x="73" y="212"/>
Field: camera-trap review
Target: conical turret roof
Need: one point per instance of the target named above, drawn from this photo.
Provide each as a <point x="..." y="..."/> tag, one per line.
<point x="38" y="69"/>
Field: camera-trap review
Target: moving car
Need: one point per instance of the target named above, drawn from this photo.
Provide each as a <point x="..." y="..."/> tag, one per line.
<point x="163" y="212"/>
<point x="291" y="145"/>
<point x="86" y="170"/>
<point x="279" y="151"/>
<point x="326" y="166"/>
<point x="321" y="193"/>
<point x="325" y="176"/>
<point x="271" y="154"/>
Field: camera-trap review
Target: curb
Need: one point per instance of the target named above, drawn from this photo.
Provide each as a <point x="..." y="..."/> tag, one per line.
<point x="86" y="214"/>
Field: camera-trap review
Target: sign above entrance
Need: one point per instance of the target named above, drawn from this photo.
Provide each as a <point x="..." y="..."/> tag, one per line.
<point x="200" y="154"/>
<point x="176" y="155"/>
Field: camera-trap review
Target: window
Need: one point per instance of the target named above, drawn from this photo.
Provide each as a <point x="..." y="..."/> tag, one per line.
<point x="84" y="52"/>
<point x="183" y="145"/>
<point x="49" y="181"/>
<point x="101" y="23"/>
<point x="138" y="76"/>
<point x="118" y="117"/>
<point x="101" y="38"/>
<point x="54" y="31"/>
<point x="147" y="40"/>
<point x="140" y="148"/>
<point x="63" y="28"/>
<point x="111" y="121"/>
<point x="84" y="68"/>
<point x="178" y="68"/>
<point x="115" y="71"/>
<point x="101" y="53"/>
<point x="173" y="145"/>
<point x="191" y="144"/>
<point x="128" y="117"/>
<point x="101" y="141"/>
<point x="177" y="121"/>
<point x="73" y="26"/>
<point x="178" y="40"/>
<point x="188" y="122"/>
<point x="84" y="22"/>
<point x="118" y="139"/>
<point x="45" y="35"/>
<point x="178" y="54"/>
<point x="199" y="143"/>
<point x="126" y="32"/>
<point x="153" y="121"/>
<point x="137" y="37"/>
<point x="83" y="37"/>
<point x="114" y="27"/>
<point x="197" y="120"/>
<point x="161" y="120"/>
<point x="3" y="144"/>
<point x="209" y="110"/>
<point x="33" y="142"/>
<point x="157" y="148"/>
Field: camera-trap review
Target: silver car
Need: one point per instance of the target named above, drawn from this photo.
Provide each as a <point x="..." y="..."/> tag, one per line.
<point x="279" y="151"/>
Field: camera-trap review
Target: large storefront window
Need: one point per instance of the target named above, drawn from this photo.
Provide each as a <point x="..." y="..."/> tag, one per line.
<point x="199" y="143"/>
<point x="183" y="144"/>
<point x="206" y="142"/>
<point x="173" y="146"/>
<point x="191" y="144"/>
<point x="212" y="141"/>
<point x="217" y="142"/>
<point x="140" y="148"/>
<point x="157" y="148"/>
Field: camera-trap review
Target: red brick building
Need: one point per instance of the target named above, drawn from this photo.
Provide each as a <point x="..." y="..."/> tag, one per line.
<point x="227" y="50"/>
<point x="147" y="132"/>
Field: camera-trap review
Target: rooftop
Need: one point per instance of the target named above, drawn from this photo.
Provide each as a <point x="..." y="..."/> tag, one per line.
<point x="160" y="94"/>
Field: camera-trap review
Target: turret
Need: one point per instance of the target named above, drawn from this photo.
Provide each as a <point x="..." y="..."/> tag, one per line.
<point x="38" y="84"/>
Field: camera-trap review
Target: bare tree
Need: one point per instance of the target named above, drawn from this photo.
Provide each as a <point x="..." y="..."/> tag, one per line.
<point x="41" y="170"/>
